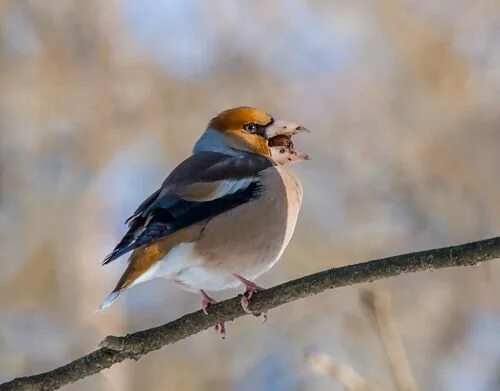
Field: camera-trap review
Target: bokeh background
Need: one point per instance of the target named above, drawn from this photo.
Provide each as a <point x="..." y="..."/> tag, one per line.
<point x="100" y="99"/>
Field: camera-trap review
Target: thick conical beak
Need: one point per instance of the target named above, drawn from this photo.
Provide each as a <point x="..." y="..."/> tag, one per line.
<point x="283" y="128"/>
<point x="283" y="155"/>
<point x="279" y="138"/>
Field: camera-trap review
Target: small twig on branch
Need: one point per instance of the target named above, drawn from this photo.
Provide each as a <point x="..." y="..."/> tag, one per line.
<point x="132" y="346"/>
<point x="379" y="304"/>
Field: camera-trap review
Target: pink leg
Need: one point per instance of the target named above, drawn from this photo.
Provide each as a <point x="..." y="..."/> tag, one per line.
<point x="206" y="301"/>
<point x="250" y="289"/>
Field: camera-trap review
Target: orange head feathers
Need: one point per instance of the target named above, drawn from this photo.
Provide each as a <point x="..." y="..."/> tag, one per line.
<point x="246" y="129"/>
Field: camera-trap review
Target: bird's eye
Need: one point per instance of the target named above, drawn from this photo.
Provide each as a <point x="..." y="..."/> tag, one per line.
<point x="250" y="128"/>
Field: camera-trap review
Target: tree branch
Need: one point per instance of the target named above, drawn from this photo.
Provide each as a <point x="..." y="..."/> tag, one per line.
<point x="132" y="346"/>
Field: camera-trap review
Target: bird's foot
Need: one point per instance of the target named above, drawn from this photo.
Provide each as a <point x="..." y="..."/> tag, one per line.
<point x="250" y="289"/>
<point x="221" y="329"/>
<point x="207" y="301"/>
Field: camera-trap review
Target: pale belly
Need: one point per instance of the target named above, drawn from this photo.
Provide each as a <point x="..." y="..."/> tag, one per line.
<point x="247" y="240"/>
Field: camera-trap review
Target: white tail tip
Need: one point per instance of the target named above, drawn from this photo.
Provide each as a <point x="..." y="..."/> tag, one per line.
<point x="108" y="301"/>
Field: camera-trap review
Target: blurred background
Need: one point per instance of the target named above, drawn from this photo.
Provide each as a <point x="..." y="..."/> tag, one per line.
<point x="99" y="100"/>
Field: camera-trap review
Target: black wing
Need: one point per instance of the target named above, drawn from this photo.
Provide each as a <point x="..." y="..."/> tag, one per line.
<point x="161" y="221"/>
<point x="169" y="209"/>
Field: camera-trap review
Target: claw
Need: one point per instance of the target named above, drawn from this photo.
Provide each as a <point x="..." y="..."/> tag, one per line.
<point x="244" y="304"/>
<point x="207" y="301"/>
<point x="250" y="289"/>
<point x="221" y="329"/>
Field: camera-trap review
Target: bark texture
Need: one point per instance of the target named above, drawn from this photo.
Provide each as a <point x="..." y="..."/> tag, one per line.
<point x="132" y="346"/>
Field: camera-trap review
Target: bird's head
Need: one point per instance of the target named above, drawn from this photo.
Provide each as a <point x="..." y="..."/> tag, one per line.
<point x="245" y="129"/>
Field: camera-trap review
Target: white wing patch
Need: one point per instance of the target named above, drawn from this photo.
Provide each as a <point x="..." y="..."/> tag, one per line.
<point x="209" y="191"/>
<point x="228" y="187"/>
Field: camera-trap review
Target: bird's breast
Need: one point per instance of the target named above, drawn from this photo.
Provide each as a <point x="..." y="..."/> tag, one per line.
<point x="250" y="238"/>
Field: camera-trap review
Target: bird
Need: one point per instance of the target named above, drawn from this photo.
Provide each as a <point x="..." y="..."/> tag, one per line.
<point x="223" y="216"/>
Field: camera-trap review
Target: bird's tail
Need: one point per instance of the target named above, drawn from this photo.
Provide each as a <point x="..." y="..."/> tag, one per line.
<point x="110" y="299"/>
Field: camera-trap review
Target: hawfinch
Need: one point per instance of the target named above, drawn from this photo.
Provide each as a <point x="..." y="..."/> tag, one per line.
<point x="223" y="216"/>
